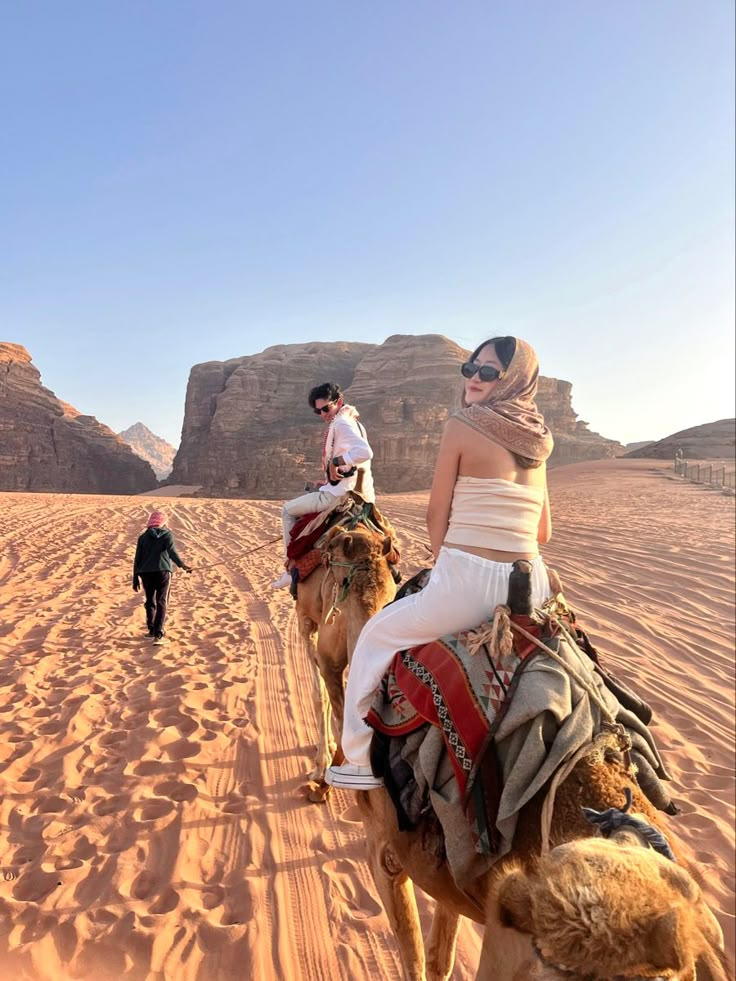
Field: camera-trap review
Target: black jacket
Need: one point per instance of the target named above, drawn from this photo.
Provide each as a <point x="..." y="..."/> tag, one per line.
<point x="155" y="551"/>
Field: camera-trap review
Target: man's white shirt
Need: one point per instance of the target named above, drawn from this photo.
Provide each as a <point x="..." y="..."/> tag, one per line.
<point x="350" y="443"/>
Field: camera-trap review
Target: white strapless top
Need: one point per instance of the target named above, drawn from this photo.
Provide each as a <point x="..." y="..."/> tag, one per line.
<point x="494" y="513"/>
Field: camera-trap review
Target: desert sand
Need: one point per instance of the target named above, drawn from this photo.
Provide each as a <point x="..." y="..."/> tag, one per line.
<point x="153" y="823"/>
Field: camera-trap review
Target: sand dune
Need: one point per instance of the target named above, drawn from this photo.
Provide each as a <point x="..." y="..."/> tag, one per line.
<point x="153" y="823"/>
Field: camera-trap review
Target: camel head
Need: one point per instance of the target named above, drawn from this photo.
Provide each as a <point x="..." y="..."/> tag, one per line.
<point x="359" y="561"/>
<point x="612" y="910"/>
<point x="357" y="546"/>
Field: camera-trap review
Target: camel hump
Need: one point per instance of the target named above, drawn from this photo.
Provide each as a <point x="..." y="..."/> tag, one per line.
<point x="520" y="588"/>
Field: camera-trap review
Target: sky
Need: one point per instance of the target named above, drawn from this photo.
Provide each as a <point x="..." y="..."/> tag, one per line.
<point x="184" y="182"/>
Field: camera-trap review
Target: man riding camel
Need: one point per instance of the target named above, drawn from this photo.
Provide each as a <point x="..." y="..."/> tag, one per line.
<point x="346" y="457"/>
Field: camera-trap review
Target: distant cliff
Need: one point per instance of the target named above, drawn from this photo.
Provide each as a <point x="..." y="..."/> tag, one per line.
<point x="148" y="446"/>
<point x="47" y="445"/>
<point x="248" y="430"/>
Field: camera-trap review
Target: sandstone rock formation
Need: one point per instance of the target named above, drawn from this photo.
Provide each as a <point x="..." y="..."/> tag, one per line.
<point x="47" y="445"/>
<point x="248" y="431"/>
<point x="148" y="446"/>
<point x="711" y="441"/>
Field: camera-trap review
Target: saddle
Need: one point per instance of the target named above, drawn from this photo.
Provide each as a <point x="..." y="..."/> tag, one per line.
<point x="303" y="551"/>
<point x="490" y="712"/>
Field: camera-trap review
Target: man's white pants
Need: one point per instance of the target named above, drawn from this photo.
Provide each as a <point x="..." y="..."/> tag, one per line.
<point x="462" y="592"/>
<point x="306" y="504"/>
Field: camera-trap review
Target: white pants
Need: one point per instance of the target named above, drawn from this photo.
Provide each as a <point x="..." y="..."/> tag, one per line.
<point x="463" y="590"/>
<point x="306" y="504"/>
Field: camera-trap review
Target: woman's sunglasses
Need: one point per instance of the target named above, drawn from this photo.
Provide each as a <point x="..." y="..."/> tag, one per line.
<point x="485" y="372"/>
<point x="324" y="408"/>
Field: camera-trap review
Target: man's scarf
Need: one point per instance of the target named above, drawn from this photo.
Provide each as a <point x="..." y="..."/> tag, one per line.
<point x="344" y="412"/>
<point x="156" y="519"/>
<point x="510" y="416"/>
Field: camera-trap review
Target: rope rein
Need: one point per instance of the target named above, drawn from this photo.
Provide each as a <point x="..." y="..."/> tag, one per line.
<point x="340" y="595"/>
<point x="588" y="687"/>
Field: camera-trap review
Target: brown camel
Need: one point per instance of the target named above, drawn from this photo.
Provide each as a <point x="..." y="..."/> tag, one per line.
<point x="636" y="914"/>
<point x="332" y="606"/>
<point x="591" y="909"/>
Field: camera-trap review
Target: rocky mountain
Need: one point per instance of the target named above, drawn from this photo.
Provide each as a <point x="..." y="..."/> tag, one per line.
<point x="148" y="446"/>
<point x="711" y="441"/>
<point x="47" y="445"/>
<point x="248" y="430"/>
<point x="639" y="445"/>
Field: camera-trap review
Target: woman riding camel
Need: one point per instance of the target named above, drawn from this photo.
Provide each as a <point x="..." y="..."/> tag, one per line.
<point x="488" y="507"/>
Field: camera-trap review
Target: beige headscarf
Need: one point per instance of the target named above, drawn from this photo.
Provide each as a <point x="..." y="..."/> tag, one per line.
<point x="510" y="417"/>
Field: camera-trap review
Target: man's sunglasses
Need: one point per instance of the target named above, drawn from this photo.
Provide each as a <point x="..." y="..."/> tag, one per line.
<point x="324" y="408"/>
<point x="485" y="372"/>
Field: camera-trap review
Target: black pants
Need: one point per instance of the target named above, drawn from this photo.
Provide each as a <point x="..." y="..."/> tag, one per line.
<point x="156" y="586"/>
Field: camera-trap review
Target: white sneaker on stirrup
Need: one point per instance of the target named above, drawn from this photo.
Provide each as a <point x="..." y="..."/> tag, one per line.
<point x="352" y="777"/>
<point x="282" y="582"/>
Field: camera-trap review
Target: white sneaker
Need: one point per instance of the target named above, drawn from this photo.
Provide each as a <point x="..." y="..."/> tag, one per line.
<point x="282" y="582"/>
<point x="352" y="777"/>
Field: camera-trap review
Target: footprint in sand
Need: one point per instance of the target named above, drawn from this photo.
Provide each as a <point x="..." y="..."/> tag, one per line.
<point x="113" y="739"/>
<point x="65" y="938"/>
<point x="166" y="902"/>
<point x="51" y="805"/>
<point x="348" y="892"/>
<point x="181" y="749"/>
<point x="112" y="805"/>
<point x="143" y="885"/>
<point x="154" y="809"/>
<point x="213" y="897"/>
<point x="176" y="790"/>
<point x="351" y="815"/>
<point x="34" y="887"/>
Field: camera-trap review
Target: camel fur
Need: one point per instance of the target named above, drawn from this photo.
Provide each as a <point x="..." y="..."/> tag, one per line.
<point x="365" y="555"/>
<point x="602" y="911"/>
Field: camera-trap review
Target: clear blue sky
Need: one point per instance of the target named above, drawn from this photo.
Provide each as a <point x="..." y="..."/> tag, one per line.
<point x="184" y="182"/>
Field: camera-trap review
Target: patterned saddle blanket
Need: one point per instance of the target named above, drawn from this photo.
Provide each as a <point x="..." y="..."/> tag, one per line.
<point x="456" y="684"/>
<point x="508" y="716"/>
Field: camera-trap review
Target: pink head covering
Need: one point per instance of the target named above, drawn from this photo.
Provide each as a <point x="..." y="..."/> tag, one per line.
<point x="156" y="519"/>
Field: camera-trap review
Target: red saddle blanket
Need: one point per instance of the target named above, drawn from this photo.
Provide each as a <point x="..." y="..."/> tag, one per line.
<point x="462" y="693"/>
<point x="300" y="546"/>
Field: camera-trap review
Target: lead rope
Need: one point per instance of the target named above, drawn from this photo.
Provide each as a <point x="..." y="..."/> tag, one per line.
<point x="586" y="685"/>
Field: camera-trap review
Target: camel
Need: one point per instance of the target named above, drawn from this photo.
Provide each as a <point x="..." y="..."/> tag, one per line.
<point x="562" y="904"/>
<point x="591" y="909"/>
<point x="330" y="617"/>
<point x="586" y="908"/>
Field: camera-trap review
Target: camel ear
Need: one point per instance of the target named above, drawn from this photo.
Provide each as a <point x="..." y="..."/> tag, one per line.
<point x="329" y="535"/>
<point x="386" y="546"/>
<point x="663" y="944"/>
<point x="515" y="902"/>
<point x="347" y="543"/>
